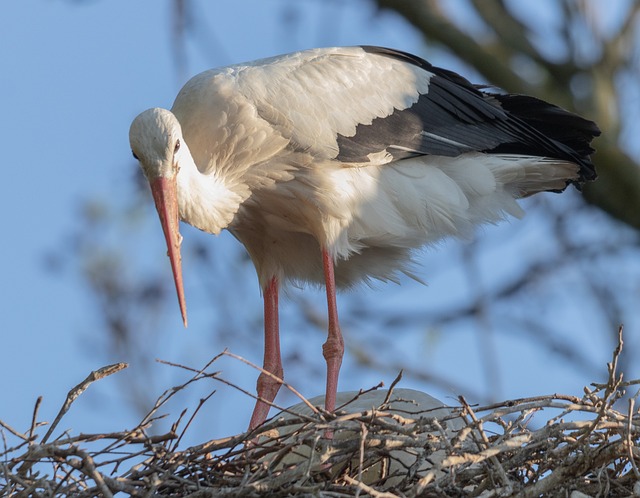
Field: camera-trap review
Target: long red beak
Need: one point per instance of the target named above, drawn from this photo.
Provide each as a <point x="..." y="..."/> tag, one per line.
<point x="165" y="194"/>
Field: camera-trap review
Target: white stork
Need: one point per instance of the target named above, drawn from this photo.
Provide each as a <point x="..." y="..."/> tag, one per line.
<point x="332" y="165"/>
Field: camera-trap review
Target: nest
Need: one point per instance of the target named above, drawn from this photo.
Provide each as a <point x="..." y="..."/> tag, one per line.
<point x="551" y="445"/>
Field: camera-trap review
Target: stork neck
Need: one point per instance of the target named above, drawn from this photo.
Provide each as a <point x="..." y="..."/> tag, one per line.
<point x="205" y="202"/>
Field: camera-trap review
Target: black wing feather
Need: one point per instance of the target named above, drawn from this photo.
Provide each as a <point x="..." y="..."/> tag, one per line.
<point x="455" y="117"/>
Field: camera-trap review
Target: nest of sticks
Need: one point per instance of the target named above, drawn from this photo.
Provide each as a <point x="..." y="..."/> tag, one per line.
<point x="551" y="445"/>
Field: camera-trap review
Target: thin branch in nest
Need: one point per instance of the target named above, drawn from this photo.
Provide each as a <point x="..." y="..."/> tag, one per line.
<point x="34" y="418"/>
<point x="477" y="424"/>
<point x="13" y="431"/>
<point x="73" y="394"/>
<point x="629" y="439"/>
<point x="275" y="377"/>
<point x="612" y="392"/>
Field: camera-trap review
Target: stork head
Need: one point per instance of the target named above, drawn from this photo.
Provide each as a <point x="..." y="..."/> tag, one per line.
<point x="156" y="137"/>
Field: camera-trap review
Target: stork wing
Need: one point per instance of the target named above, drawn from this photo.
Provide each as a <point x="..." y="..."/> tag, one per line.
<point x="360" y="106"/>
<point x="370" y="105"/>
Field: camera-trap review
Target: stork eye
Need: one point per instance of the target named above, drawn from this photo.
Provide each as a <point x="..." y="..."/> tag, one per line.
<point x="177" y="147"/>
<point x="135" y="156"/>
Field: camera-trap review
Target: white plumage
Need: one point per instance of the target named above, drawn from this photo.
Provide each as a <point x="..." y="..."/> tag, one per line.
<point x="347" y="158"/>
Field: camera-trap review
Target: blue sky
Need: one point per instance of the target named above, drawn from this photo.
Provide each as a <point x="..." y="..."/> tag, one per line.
<point x="75" y="74"/>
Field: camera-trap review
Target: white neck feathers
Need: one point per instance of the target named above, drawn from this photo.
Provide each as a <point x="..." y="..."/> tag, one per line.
<point x="204" y="200"/>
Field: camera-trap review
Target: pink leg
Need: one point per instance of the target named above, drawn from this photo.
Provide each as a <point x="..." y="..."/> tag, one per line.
<point x="268" y="387"/>
<point x="333" y="349"/>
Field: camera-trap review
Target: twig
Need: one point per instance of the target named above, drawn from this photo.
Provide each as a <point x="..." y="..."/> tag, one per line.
<point x="629" y="439"/>
<point x="486" y="444"/>
<point x="611" y="392"/>
<point x="88" y="465"/>
<point x="34" y="418"/>
<point x="363" y="439"/>
<point x="368" y="489"/>
<point x="79" y="389"/>
<point x="24" y="437"/>
<point x="193" y="416"/>
<point x="391" y="387"/>
<point x="287" y="386"/>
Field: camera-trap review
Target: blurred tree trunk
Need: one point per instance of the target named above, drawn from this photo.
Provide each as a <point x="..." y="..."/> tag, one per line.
<point x="508" y="39"/>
